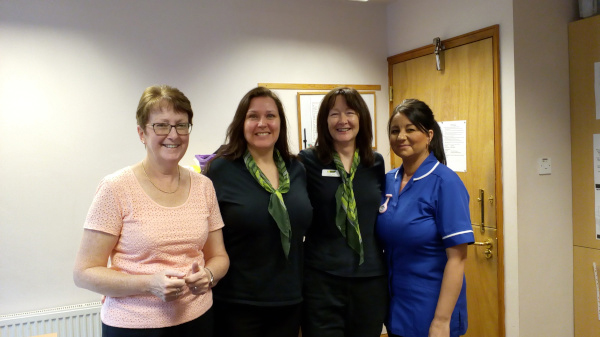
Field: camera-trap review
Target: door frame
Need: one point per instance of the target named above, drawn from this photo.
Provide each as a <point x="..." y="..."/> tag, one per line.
<point x="485" y="33"/>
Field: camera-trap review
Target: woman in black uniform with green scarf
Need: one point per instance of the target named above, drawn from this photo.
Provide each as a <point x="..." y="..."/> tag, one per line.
<point x="345" y="282"/>
<point x="261" y="189"/>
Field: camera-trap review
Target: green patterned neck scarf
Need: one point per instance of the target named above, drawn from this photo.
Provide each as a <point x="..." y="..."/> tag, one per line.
<point x="277" y="207"/>
<point x="346" y="206"/>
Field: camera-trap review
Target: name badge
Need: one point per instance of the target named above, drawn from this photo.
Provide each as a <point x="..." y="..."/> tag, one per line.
<point x="330" y="173"/>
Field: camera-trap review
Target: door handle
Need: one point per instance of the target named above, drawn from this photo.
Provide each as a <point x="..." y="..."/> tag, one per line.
<point x="482" y="209"/>
<point x="488" y="244"/>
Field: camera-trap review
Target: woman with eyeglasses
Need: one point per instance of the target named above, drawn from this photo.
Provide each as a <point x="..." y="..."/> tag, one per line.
<point x="261" y="190"/>
<point x="152" y="242"/>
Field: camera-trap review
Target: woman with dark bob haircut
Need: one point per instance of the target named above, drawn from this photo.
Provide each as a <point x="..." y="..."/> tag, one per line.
<point x="345" y="284"/>
<point x="261" y="189"/>
<point x="425" y="227"/>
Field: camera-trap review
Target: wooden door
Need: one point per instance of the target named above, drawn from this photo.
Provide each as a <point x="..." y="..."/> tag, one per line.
<point x="584" y="52"/>
<point x="467" y="89"/>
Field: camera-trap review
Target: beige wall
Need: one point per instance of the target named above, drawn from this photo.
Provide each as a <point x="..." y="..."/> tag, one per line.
<point x="544" y="201"/>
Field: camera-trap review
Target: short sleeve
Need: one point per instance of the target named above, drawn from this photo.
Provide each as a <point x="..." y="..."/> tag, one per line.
<point x="105" y="213"/>
<point x="453" y="217"/>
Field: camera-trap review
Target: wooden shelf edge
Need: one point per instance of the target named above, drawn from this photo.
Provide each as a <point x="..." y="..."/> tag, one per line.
<point x="300" y="86"/>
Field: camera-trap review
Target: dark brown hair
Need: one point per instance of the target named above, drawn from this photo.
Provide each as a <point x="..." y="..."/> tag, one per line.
<point x="235" y="142"/>
<point x="364" y="138"/>
<point x="421" y="116"/>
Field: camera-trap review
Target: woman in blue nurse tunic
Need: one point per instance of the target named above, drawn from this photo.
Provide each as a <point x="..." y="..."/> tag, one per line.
<point x="425" y="227"/>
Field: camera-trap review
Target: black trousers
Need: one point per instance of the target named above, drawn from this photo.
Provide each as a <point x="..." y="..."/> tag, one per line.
<point x="242" y="320"/>
<point x="337" y="306"/>
<point x="199" y="327"/>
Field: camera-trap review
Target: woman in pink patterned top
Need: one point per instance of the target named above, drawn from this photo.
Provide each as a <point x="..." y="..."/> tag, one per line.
<point x="152" y="243"/>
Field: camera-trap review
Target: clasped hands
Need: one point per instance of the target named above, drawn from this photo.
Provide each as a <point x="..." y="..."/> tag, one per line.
<point x="169" y="285"/>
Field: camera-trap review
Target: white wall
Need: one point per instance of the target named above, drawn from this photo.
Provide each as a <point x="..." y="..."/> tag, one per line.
<point x="535" y="112"/>
<point x="71" y="74"/>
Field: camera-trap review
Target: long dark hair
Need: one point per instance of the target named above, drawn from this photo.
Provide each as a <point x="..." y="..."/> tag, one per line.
<point x="421" y="116"/>
<point x="235" y="142"/>
<point x="364" y="138"/>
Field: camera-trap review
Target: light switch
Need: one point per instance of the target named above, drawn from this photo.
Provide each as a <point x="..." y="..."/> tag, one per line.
<point x="544" y="166"/>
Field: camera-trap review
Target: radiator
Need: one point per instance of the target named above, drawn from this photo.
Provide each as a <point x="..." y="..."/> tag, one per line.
<point x="80" y="320"/>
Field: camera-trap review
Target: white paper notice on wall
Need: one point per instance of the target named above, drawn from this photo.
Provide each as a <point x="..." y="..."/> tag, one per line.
<point x="597" y="182"/>
<point x="455" y="144"/>
<point x="597" y="88"/>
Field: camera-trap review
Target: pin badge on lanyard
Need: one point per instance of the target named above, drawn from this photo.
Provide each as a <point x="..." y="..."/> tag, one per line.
<point x="383" y="207"/>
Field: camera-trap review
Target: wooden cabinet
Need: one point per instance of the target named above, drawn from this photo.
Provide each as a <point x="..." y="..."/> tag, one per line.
<point x="584" y="51"/>
<point x="584" y="292"/>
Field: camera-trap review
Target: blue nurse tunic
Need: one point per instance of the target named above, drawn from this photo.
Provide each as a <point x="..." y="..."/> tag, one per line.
<point x="428" y="216"/>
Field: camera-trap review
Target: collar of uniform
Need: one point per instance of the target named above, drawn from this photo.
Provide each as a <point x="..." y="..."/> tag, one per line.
<point x="427" y="166"/>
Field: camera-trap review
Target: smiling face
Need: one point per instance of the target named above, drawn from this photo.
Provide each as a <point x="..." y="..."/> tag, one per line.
<point x="343" y="123"/>
<point x="407" y="141"/>
<point x="166" y="149"/>
<point x="262" y="124"/>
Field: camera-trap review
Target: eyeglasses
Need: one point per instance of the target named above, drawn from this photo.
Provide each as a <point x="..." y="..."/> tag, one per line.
<point x="163" y="129"/>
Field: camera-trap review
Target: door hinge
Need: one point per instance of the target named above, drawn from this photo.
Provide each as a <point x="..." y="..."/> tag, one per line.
<point x="391" y="93"/>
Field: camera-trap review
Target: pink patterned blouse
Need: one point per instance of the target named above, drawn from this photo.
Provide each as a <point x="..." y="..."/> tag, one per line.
<point x="153" y="238"/>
